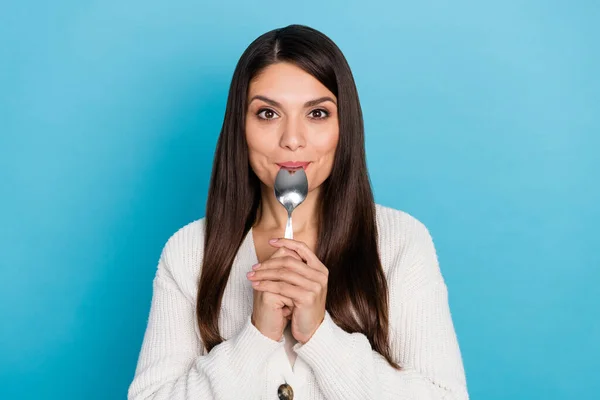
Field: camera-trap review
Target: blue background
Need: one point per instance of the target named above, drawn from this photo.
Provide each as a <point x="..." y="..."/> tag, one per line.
<point x="481" y="120"/>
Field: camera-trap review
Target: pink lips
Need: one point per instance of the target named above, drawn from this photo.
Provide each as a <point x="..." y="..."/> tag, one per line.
<point x="294" y="164"/>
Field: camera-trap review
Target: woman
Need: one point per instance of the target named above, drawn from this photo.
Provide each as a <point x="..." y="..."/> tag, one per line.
<point x="354" y="307"/>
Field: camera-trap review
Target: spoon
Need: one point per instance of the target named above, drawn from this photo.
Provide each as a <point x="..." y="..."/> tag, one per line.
<point x="291" y="188"/>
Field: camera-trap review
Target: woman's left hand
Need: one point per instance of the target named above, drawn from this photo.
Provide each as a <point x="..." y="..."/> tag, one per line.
<point x="304" y="282"/>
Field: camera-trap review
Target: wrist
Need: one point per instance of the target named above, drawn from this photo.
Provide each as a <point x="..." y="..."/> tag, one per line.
<point x="313" y="332"/>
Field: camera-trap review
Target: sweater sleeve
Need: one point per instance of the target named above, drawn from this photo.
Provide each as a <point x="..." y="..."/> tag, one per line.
<point x="422" y="341"/>
<point x="171" y="364"/>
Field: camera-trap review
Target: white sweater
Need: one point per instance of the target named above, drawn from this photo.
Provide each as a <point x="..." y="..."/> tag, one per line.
<point x="333" y="364"/>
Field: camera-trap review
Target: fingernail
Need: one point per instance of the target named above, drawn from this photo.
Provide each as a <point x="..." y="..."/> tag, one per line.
<point x="255" y="283"/>
<point x="256" y="266"/>
<point x="251" y="273"/>
<point x="273" y="240"/>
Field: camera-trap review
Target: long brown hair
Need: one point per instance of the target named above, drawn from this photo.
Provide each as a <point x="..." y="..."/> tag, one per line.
<point x="357" y="293"/>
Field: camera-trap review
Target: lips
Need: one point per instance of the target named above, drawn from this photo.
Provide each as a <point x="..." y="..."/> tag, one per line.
<point x="294" y="164"/>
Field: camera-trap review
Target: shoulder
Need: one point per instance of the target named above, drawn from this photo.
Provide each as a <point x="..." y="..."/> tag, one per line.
<point x="395" y="218"/>
<point x="185" y="239"/>
<point x="182" y="255"/>
<point x="397" y="229"/>
<point x="407" y="251"/>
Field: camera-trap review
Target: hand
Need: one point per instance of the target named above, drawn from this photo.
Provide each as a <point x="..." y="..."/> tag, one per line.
<point x="303" y="281"/>
<point x="271" y="312"/>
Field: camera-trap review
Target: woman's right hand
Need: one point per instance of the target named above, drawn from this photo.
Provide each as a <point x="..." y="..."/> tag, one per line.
<point x="271" y="312"/>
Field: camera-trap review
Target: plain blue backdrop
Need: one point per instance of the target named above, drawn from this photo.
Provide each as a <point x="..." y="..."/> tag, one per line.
<point x="481" y="121"/>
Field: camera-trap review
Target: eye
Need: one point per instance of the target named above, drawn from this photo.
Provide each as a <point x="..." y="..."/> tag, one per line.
<point x="266" y="114"/>
<point x="319" y="113"/>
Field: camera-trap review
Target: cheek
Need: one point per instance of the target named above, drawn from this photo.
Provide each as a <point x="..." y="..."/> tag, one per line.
<point x="256" y="155"/>
<point x="325" y="144"/>
<point x="260" y="147"/>
<point x="256" y="139"/>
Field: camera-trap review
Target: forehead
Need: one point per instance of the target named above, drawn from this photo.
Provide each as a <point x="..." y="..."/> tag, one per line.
<point x="286" y="81"/>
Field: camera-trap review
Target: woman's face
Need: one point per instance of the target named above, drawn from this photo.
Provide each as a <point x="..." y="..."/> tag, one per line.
<point x="291" y="116"/>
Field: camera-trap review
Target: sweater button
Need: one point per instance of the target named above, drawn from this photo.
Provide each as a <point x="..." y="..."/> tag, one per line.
<point x="285" y="392"/>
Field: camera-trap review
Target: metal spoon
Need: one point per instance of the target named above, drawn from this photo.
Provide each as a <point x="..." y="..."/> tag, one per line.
<point x="291" y="188"/>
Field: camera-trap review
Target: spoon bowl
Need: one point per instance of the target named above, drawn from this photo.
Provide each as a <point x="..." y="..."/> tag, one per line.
<point x="291" y="188"/>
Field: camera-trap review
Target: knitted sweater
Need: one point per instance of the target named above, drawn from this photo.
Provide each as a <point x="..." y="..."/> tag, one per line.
<point x="333" y="364"/>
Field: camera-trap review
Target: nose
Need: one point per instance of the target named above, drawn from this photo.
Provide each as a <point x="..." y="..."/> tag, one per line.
<point x="293" y="135"/>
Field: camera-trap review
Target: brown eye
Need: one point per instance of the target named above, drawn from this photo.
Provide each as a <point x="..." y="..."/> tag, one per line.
<point x="266" y="113"/>
<point x="319" y="114"/>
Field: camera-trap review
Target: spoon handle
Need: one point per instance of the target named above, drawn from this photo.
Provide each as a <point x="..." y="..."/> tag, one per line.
<point x="289" y="233"/>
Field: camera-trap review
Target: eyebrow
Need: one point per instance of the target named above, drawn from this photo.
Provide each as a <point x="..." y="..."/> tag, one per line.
<point x="309" y="103"/>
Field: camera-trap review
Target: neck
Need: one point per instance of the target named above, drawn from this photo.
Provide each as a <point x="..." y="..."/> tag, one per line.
<point x="272" y="216"/>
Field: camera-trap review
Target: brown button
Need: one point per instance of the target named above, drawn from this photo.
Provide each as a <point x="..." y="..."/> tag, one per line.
<point x="285" y="392"/>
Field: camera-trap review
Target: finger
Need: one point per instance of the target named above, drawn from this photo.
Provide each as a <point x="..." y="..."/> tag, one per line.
<point x="291" y="264"/>
<point x="286" y="275"/>
<point x="279" y="262"/>
<point x="303" y="250"/>
<point x="297" y="294"/>
<point x="278" y="300"/>
<point x="289" y="304"/>
<point x="279" y="253"/>
<point x="284" y="251"/>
